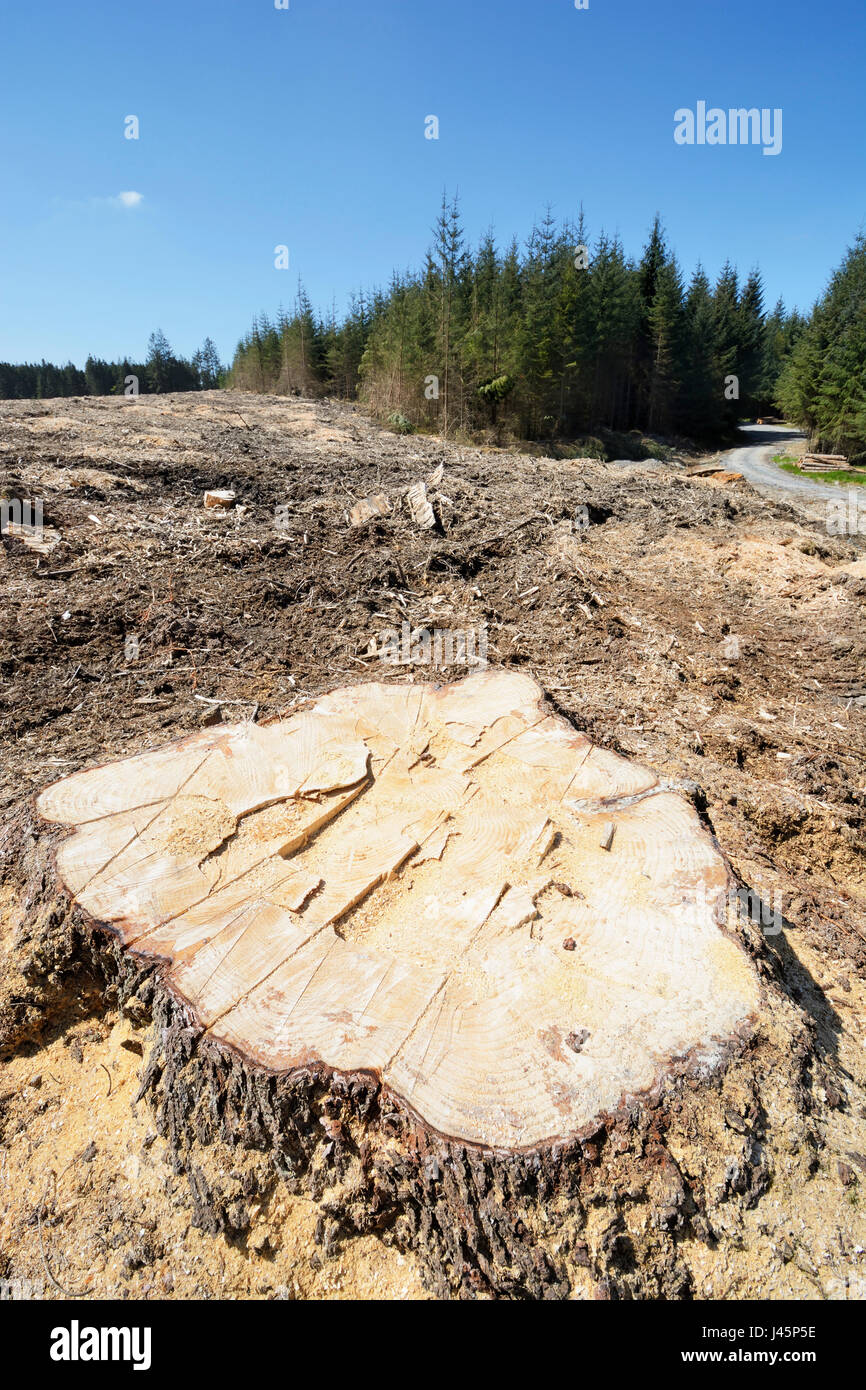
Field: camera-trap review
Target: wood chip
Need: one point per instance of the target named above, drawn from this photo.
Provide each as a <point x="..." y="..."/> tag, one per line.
<point x="369" y="507"/>
<point x="419" y="506"/>
<point x="219" y="499"/>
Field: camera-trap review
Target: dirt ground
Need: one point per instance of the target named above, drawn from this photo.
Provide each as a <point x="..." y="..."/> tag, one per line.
<point x="695" y="626"/>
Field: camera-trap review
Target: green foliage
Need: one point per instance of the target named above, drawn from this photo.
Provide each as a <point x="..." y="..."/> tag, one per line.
<point x="534" y="342"/>
<point x="497" y="389"/>
<point x="822" y="385"/>
<point x="162" y="371"/>
<point x="207" y="366"/>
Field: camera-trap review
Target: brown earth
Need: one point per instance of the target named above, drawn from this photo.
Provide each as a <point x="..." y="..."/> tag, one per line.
<point x="715" y="636"/>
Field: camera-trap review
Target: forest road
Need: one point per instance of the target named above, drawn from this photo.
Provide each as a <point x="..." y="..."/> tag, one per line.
<point x="755" y="462"/>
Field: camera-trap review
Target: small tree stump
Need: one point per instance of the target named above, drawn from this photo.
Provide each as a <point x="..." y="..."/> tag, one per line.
<point x="446" y="898"/>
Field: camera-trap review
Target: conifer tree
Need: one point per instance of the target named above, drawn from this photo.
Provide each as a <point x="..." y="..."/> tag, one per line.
<point x="726" y="333"/>
<point x="207" y="366"/>
<point x="158" y="362"/>
<point x="751" y="343"/>
<point x="701" y="411"/>
<point x="449" y="271"/>
<point x="823" y="383"/>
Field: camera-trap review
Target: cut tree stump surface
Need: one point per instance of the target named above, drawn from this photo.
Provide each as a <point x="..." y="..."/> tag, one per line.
<point x="386" y="882"/>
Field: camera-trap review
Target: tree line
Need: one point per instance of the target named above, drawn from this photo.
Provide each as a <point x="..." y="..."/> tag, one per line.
<point x="162" y="371"/>
<point x="552" y="339"/>
<point x="823" y="380"/>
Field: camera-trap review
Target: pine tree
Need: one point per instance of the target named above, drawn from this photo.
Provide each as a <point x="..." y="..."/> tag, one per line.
<point x="449" y="264"/>
<point x="207" y="365"/>
<point x="823" y="383"/>
<point x="726" y="333"/>
<point x="541" y="348"/>
<point x="666" y="325"/>
<point x="701" y="411"/>
<point x="751" y="344"/>
<point x="652" y="262"/>
<point x="159" y="359"/>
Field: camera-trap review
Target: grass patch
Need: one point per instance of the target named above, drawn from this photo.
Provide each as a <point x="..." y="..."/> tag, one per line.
<point x="837" y="475"/>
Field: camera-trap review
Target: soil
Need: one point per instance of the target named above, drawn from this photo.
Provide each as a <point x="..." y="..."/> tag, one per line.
<point x="708" y="632"/>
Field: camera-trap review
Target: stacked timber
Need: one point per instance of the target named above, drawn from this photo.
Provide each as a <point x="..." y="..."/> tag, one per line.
<point x="824" y="463"/>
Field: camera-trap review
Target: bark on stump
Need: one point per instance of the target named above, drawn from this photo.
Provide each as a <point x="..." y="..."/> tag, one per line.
<point x="428" y="950"/>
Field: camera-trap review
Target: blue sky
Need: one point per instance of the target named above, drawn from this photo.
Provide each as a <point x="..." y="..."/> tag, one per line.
<point x="305" y="127"/>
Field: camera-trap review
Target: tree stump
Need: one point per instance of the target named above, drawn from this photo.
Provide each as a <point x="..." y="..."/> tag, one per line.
<point x="422" y="946"/>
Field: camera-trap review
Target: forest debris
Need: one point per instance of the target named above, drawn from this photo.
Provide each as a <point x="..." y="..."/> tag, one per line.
<point x="672" y="567"/>
<point x="704" y="470"/>
<point x="41" y="539"/>
<point x="369" y="507"/>
<point x="714" y="472"/>
<point x="725" y="478"/>
<point x="419" y="506"/>
<point x="219" y="499"/>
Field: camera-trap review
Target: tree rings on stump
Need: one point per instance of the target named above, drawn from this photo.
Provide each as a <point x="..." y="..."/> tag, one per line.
<point x="391" y="882"/>
<point x="442" y="904"/>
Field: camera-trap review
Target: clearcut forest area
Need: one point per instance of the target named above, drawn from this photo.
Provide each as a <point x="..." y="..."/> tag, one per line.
<point x="690" y="646"/>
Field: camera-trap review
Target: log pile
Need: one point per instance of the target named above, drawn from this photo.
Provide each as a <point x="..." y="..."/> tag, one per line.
<point x="824" y="463"/>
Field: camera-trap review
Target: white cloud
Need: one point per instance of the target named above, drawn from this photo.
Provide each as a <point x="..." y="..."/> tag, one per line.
<point x="129" y="200"/>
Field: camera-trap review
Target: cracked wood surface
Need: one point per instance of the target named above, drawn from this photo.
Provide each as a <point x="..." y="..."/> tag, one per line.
<point x="448" y="887"/>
